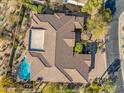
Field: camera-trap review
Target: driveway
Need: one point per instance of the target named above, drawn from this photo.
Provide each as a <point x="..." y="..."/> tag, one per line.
<point x="112" y="46"/>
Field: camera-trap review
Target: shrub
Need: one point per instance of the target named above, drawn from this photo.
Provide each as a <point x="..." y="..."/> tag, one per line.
<point x="107" y="15"/>
<point x="97" y="27"/>
<point x="78" y="47"/>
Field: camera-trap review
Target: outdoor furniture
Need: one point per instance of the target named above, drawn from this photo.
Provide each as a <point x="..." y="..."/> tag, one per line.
<point x="39" y="79"/>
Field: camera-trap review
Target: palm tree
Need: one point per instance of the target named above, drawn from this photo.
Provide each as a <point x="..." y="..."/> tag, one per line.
<point x="36" y="9"/>
<point x="25" y="1"/>
<point x="97" y="27"/>
<point x="108" y="87"/>
<point x="7" y="81"/>
<point x="97" y="86"/>
<point x="92" y="6"/>
<point x="57" y="88"/>
<point x="92" y="88"/>
<point x="107" y="15"/>
<point x="29" y="5"/>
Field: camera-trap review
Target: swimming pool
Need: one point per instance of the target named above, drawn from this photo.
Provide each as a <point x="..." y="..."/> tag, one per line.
<point x="24" y="70"/>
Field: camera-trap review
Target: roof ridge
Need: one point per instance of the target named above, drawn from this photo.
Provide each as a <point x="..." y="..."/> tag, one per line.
<point x="41" y="58"/>
<point x="65" y="23"/>
<point x="57" y="16"/>
<point x="64" y="72"/>
<point x="36" y="17"/>
<point x="82" y="75"/>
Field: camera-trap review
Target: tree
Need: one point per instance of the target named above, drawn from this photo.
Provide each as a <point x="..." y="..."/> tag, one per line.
<point x="39" y="8"/>
<point x="92" y="88"/>
<point x="97" y="27"/>
<point x="91" y="6"/>
<point x="107" y="15"/>
<point x="36" y="9"/>
<point x="57" y="88"/>
<point x="29" y="5"/>
<point x="2" y="90"/>
<point x="7" y="81"/>
<point x="105" y="86"/>
<point x="25" y="1"/>
<point x="108" y="87"/>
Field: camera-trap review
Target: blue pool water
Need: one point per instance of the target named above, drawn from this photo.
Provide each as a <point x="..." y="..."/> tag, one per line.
<point x="24" y="70"/>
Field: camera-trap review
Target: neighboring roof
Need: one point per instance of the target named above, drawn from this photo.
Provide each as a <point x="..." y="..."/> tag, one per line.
<point x="39" y="1"/>
<point x="76" y="2"/>
<point x="51" y="1"/>
<point x="82" y="1"/>
<point x="58" y="56"/>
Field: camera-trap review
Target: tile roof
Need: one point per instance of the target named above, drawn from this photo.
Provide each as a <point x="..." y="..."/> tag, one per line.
<point x="56" y="20"/>
<point x="58" y="54"/>
<point x="82" y="1"/>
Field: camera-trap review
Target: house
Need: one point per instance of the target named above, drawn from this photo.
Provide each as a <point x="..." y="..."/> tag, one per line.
<point x="76" y="2"/>
<point x="73" y="2"/>
<point x="74" y="5"/>
<point x="50" y="1"/>
<point x="50" y="44"/>
<point x="39" y="1"/>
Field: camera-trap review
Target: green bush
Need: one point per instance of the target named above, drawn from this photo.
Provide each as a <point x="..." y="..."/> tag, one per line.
<point x="78" y="47"/>
<point x="107" y="15"/>
<point x="91" y="6"/>
<point x="97" y="27"/>
<point x="30" y="6"/>
<point x="57" y="88"/>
